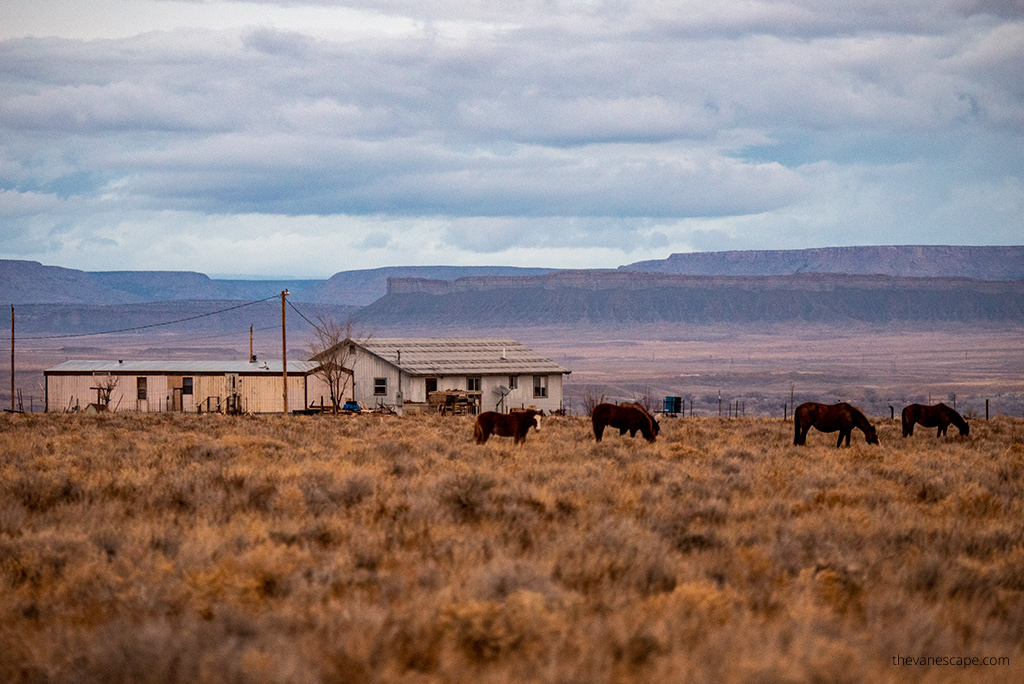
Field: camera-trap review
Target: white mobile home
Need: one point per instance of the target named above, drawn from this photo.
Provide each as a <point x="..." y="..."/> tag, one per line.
<point x="187" y="386"/>
<point x="403" y="372"/>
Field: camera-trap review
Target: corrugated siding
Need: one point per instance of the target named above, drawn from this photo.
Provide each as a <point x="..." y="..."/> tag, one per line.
<point x="367" y="367"/>
<point x="522" y="396"/>
<point x="67" y="392"/>
<point x="258" y="394"/>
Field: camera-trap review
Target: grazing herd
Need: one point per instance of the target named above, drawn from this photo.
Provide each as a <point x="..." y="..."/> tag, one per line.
<point x="631" y="417"/>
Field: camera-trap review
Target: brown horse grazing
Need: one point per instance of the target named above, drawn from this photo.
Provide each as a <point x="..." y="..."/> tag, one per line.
<point x="829" y="418"/>
<point x="628" y="417"/>
<point x="514" y="425"/>
<point x="939" y="416"/>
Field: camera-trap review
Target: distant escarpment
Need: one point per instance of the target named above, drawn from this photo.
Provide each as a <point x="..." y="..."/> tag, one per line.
<point x="928" y="261"/>
<point x="29" y="282"/>
<point x="597" y="297"/>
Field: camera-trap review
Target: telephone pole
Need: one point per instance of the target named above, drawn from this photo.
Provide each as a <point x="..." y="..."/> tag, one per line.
<point x="12" y="358"/>
<point x="284" y="352"/>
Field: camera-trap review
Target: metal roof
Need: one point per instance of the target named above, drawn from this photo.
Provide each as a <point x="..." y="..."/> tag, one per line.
<point x="168" y="367"/>
<point x="460" y="356"/>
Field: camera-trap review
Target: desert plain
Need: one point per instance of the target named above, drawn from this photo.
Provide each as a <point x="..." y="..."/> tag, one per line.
<point x="185" y="548"/>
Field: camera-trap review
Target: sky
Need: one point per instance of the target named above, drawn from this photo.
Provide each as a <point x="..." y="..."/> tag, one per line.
<point x="302" y="138"/>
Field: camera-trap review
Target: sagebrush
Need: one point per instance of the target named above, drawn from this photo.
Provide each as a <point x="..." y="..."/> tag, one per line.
<point x="149" y="548"/>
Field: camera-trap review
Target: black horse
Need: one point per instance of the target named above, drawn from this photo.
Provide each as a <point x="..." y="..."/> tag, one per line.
<point x="514" y="425"/>
<point x="829" y="418"/>
<point x="939" y="416"/>
<point x="628" y="417"/>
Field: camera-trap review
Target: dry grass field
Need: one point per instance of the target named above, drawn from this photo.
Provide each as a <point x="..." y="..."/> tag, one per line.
<point x="159" y="548"/>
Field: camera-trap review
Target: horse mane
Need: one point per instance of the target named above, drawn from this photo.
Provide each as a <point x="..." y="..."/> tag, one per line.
<point x="859" y="419"/>
<point x="651" y="423"/>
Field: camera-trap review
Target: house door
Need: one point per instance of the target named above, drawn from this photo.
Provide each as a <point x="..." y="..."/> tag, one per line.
<point x="174" y="381"/>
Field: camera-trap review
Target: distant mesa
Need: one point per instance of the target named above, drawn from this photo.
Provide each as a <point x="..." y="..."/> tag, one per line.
<point x="29" y="282"/>
<point x="922" y="261"/>
<point x="627" y="297"/>
<point x="835" y="284"/>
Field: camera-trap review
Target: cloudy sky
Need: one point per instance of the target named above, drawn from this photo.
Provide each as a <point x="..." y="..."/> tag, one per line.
<point x="305" y="137"/>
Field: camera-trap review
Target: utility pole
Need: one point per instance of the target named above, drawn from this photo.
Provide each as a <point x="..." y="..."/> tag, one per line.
<point x="12" y="358"/>
<point x="284" y="352"/>
<point x="252" y="358"/>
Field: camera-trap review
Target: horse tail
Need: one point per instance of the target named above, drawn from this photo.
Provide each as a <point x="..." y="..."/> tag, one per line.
<point x="478" y="432"/>
<point x="908" y="424"/>
<point x="796" y="428"/>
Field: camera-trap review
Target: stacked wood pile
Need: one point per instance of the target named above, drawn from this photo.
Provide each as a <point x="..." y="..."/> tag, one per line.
<point x="455" y="402"/>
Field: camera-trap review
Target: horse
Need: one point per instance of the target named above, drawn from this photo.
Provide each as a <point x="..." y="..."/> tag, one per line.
<point x="939" y="416"/>
<point x="514" y="425"/>
<point x="628" y="417"/>
<point x="829" y="418"/>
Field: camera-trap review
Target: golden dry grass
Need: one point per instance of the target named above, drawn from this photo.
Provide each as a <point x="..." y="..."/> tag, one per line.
<point x="139" y="548"/>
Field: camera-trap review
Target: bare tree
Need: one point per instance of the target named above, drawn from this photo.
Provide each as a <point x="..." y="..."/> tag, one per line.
<point x="104" y="388"/>
<point x="332" y="347"/>
<point x="590" y="400"/>
<point x="646" y="399"/>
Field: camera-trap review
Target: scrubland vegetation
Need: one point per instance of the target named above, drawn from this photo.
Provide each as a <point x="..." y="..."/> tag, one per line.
<point x="139" y="548"/>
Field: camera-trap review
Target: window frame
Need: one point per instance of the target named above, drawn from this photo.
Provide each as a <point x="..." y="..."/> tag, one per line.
<point x="540" y="387"/>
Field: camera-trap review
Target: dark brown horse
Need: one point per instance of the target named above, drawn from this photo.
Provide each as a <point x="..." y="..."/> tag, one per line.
<point x="514" y="425"/>
<point x="628" y="417"/>
<point x="829" y="418"/>
<point x="939" y="416"/>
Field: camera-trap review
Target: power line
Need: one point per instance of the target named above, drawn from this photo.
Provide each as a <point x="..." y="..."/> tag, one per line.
<point x="304" y="317"/>
<point x="143" y="327"/>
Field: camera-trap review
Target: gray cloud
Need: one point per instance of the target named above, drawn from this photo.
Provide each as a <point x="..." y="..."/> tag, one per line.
<point x="603" y="119"/>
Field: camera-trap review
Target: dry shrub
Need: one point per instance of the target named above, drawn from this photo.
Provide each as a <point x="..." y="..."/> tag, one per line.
<point x="321" y="549"/>
<point x="617" y="556"/>
<point x="519" y="626"/>
<point x="465" y="495"/>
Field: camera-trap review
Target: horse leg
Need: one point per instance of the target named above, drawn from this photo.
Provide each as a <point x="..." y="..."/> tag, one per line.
<point x="942" y="430"/>
<point x="908" y="428"/>
<point x="797" y="437"/>
<point x="842" y="434"/>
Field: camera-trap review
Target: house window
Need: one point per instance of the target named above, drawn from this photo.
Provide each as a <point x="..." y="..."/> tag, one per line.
<point x="513" y="382"/>
<point x="431" y="384"/>
<point x="186" y="385"/>
<point x="140" y="389"/>
<point x="380" y="387"/>
<point x="540" y="386"/>
<point x="473" y="384"/>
